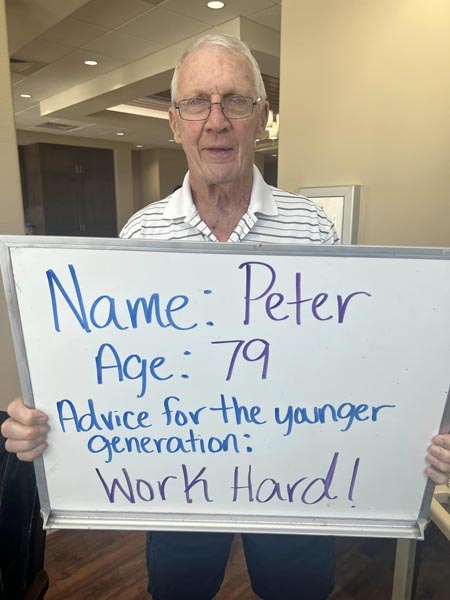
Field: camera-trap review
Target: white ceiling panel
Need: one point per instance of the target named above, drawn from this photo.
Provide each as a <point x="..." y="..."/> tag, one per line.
<point x="65" y="73"/>
<point x="43" y="51"/>
<point x="24" y="104"/>
<point x="30" y="117"/>
<point x="42" y="86"/>
<point x="162" y="27"/>
<point x="74" y="64"/>
<point x="71" y="122"/>
<point x="96" y="131"/>
<point x="116" y="33"/>
<point x="92" y="132"/>
<point x="128" y="123"/>
<point x="137" y="136"/>
<point x="132" y="125"/>
<point x="271" y="17"/>
<point x="73" y="32"/>
<point x="111" y="14"/>
<point x="53" y="131"/>
<point x="197" y="9"/>
<point x="27" y="19"/>
<point x="16" y="77"/>
<point x="122" y="45"/>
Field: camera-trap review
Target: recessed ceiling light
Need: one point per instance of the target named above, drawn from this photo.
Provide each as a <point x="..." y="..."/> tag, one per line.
<point x="120" y="133"/>
<point x="91" y="63"/>
<point x="273" y="154"/>
<point x="215" y="5"/>
<point x="25" y="95"/>
<point x="139" y="146"/>
<point x="171" y="140"/>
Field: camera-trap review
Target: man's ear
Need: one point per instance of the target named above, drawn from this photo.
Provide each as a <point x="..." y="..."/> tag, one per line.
<point x="262" y="119"/>
<point x="174" y="126"/>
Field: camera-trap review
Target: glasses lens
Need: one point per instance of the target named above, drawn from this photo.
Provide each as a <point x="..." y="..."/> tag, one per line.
<point x="194" y="109"/>
<point x="237" y="107"/>
<point x="233" y="106"/>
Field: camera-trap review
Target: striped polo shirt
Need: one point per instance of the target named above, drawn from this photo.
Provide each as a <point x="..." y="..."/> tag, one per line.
<point x="273" y="216"/>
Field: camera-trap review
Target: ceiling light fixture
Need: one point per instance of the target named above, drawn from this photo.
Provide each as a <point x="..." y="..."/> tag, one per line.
<point x="120" y="133"/>
<point x="91" y="63"/>
<point x="215" y="5"/>
<point x="273" y="125"/>
<point x="139" y="110"/>
<point x="25" y="95"/>
<point x="139" y="146"/>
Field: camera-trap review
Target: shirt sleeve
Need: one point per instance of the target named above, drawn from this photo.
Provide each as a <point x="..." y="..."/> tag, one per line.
<point x="328" y="232"/>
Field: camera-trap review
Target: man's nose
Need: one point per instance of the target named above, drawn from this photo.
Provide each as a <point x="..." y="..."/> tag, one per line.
<point x="216" y="119"/>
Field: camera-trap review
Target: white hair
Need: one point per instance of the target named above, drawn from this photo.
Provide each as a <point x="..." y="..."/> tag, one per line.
<point x="230" y="43"/>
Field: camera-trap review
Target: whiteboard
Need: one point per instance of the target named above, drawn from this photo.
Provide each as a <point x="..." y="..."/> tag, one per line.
<point x="226" y="387"/>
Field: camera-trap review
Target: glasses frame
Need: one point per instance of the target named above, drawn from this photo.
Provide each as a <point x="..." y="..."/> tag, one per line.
<point x="253" y="104"/>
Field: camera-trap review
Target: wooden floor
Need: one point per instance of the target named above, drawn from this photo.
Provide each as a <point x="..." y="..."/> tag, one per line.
<point x="99" y="565"/>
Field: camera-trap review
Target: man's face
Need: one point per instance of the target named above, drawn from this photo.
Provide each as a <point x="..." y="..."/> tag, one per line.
<point x="218" y="150"/>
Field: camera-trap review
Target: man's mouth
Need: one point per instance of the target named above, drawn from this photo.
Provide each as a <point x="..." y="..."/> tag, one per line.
<point x="218" y="151"/>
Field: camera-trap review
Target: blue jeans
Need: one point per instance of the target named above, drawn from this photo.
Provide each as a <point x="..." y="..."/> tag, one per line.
<point x="191" y="566"/>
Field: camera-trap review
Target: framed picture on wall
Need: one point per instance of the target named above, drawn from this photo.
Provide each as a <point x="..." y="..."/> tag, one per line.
<point x="341" y="204"/>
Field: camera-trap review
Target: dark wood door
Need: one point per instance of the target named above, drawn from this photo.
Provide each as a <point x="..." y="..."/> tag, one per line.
<point x="97" y="195"/>
<point x="61" y="190"/>
<point x="73" y="191"/>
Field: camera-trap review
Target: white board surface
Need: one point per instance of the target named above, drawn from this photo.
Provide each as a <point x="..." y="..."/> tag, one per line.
<point x="269" y="389"/>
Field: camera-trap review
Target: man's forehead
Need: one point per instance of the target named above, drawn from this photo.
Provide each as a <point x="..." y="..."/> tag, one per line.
<point x="206" y="63"/>
<point x="211" y="52"/>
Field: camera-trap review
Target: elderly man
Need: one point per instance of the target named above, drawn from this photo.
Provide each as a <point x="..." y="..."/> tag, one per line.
<point x="219" y="110"/>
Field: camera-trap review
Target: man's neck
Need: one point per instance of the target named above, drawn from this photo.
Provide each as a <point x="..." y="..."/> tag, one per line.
<point x="221" y="207"/>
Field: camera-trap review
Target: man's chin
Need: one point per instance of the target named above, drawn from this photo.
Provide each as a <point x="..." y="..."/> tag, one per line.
<point x="220" y="175"/>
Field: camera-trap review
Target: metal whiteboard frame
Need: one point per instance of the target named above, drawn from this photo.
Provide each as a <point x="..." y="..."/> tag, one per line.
<point x="113" y="520"/>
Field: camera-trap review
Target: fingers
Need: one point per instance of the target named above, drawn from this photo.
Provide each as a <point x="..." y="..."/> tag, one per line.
<point x="13" y="430"/>
<point x="26" y="431"/>
<point x="27" y="450"/>
<point x="25" y="415"/>
<point x="439" y="458"/>
<point x="443" y="440"/>
<point x="438" y="477"/>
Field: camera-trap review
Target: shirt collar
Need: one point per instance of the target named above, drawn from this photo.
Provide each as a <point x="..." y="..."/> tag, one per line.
<point x="261" y="199"/>
<point x="181" y="203"/>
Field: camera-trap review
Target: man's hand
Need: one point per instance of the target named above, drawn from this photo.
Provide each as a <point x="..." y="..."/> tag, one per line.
<point x="439" y="458"/>
<point x="25" y="430"/>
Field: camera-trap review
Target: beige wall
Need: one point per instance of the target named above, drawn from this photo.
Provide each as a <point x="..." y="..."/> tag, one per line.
<point x="149" y="176"/>
<point x="136" y="174"/>
<point x="123" y="175"/>
<point x="365" y="97"/>
<point x="11" y="212"/>
<point x="172" y="169"/>
<point x="160" y="170"/>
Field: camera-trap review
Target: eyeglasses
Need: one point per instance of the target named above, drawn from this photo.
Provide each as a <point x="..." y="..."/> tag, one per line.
<point x="233" y="106"/>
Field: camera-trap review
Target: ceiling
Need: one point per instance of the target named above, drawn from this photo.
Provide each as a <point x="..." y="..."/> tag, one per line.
<point x="136" y="44"/>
